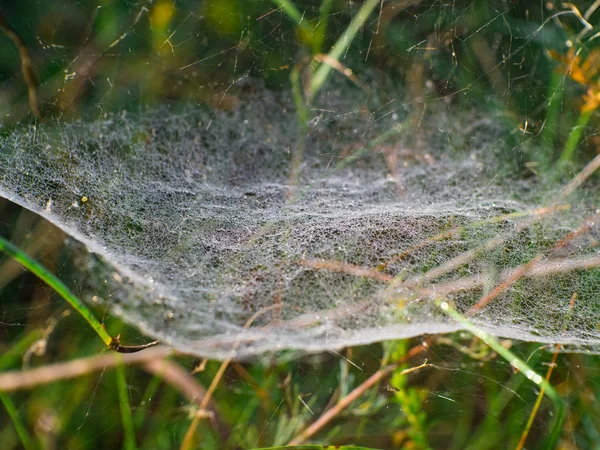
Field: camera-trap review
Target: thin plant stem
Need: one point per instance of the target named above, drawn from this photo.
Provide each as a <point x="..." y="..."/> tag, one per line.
<point x="555" y="96"/>
<point x="125" y="406"/>
<point x="391" y="135"/>
<point x="540" y="396"/>
<point x="24" y="436"/>
<point x="153" y="360"/>
<point x="522" y="270"/>
<point x="303" y="113"/>
<point x="343" y="404"/>
<point x="7" y="359"/>
<point x="191" y="431"/>
<point x="518" y="364"/>
<point x="26" y="379"/>
<point x="496" y="407"/>
<point x="580" y="178"/>
<point x="343" y="42"/>
<point x="538" y="402"/>
<point x="173" y="374"/>
<point x="302" y="107"/>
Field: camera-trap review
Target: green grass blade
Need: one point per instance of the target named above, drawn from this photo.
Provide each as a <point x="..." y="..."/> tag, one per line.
<point x="343" y="42"/>
<point x="26" y="439"/>
<point x="538" y="401"/>
<point x="147" y="397"/>
<point x="16" y="350"/>
<point x="574" y="138"/>
<point x="125" y="406"/>
<point x="294" y="14"/>
<point x="302" y="109"/>
<point x="518" y="364"/>
<point x="320" y="31"/>
<point x="43" y="274"/>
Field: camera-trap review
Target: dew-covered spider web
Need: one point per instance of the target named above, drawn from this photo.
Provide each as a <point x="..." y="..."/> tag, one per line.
<point x="225" y="224"/>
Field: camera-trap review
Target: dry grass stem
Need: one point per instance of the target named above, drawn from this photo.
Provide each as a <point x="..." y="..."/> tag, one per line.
<point x="344" y="402"/>
<point x="27" y="379"/>
<point x="540" y="396"/>
<point x="176" y="376"/>
<point x="26" y="65"/>
<point x="191" y="431"/>
<point x="336" y="266"/>
<point x="522" y="270"/>
<point x="580" y="178"/>
<point x="541" y="269"/>
<point x="457" y="230"/>
<point x="338" y="66"/>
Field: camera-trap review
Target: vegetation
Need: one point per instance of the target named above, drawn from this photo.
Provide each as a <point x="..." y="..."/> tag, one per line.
<point x="61" y="60"/>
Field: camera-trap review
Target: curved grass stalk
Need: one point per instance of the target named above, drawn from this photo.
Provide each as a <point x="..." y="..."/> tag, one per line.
<point x="538" y="401"/>
<point x="19" y="348"/>
<point x="518" y="364"/>
<point x="60" y="288"/>
<point x="26" y="66"/>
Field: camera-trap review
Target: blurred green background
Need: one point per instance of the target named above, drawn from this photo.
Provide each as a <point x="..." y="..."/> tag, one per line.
<point x="531" y="64"/>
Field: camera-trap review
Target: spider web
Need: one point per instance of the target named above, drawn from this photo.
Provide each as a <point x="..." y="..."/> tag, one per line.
<point x="227" y="224"/>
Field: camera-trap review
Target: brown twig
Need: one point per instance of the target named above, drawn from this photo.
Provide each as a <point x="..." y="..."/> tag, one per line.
<point x="26" y="379"/>
<point x="342" y="69"/>
<point x="536" y="268"/>
<point x="512" y="278"/>
<point x="469" y="255"/>
<point x="460" y="260"/>
<point x="454" y="263"/>
<point x="522" y="270"/>
<point x="26" y="65"/>
<point x="152" y="360"/>
<point x="344" y="402"/>
<point x="583" y="175"/>
<point x="539" y="270"/>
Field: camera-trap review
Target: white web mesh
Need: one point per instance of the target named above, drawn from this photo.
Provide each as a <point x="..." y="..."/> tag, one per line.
<point x="199" y="225"/>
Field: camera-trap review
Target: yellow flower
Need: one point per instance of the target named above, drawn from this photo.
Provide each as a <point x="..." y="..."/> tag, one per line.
<point x="582" y="72"/>
<point x="591" y="99"/>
